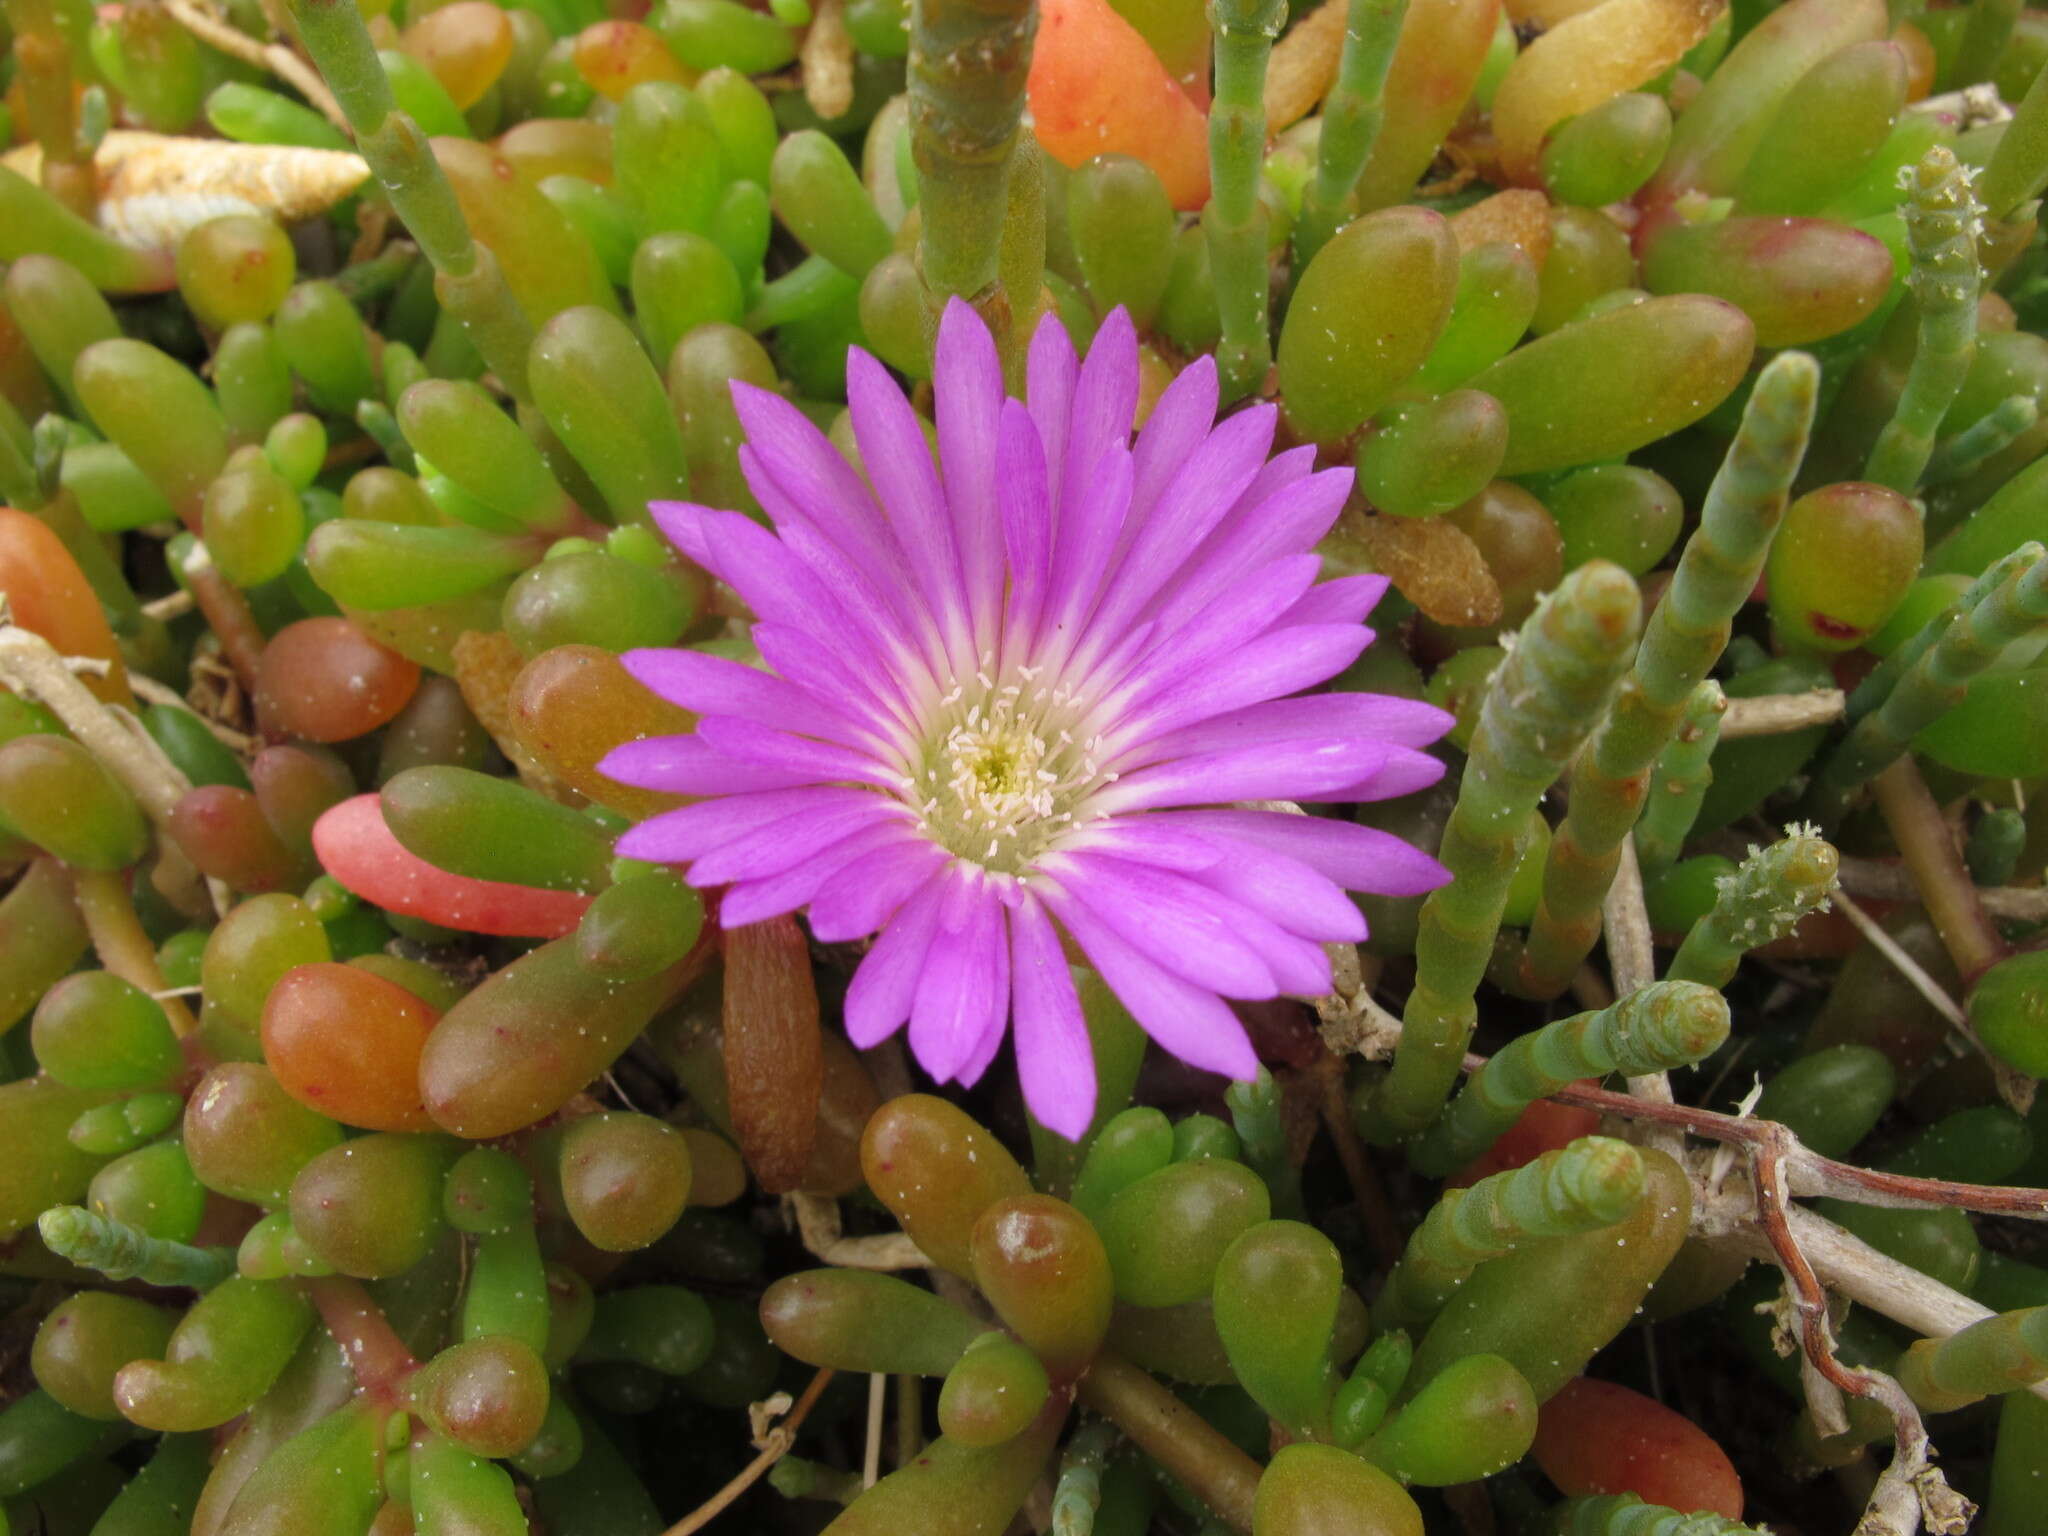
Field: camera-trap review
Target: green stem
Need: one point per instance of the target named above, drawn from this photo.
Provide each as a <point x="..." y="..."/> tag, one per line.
<point x="1256" y="1115"/>
<point x="1235" y="220"/>
<point x="1936" y="680"/>
<point x="1999" y="1354"/>
<point x="1680" y="781"/>
<point x="1351" y="121"/>
<point x="1668" y="1024"/>
<point x="1175" y="1436"/>
<point x="1079" y="1492"/>
<point x="122" y="1252"/>
<point x="1963" y="453"/>
<point x="1942" y="220"/>
<point x="967" y="67"/>
<point x="1931" y="857"/>
<point x="467" y="279"/>
<point x="1625" y="1514"/>
<point x="1020" y="263"/>
<point x="1759" y="903"/>
<point x="1685" y="636"/>
<point x="1538" y="707"/>
<point x="1593" y="1183"/>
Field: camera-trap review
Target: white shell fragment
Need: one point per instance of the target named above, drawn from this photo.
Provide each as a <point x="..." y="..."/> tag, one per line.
<point x="154" y="187"/>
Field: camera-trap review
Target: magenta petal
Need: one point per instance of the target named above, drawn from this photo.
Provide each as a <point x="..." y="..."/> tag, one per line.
<point x="1180" y="925"/>
<point x="689" y="765"/>
<point x="878" y="999"/>
<point x="965" y="985"/>
<point x="1207" y="486"/>
<point x="1280" y="662"/>
<point x="1179" y="421"/>
<point x="770" y="579"/>
<point x="1276" y="771"/>
<point x="1404" y="772"/>
<point x="1244" y="611"/>
<point x="1283" y="890"/>
<point x="897" y="460"/>
<point x="752" y="901"/>
<point x="1190" y="926"/>
<point x="1089" y="522"/>
<point x="1105" y="403"/>
<point x="1147" y="840"/>
<point x="860" y="898"/>
<point x="683" y="522"/>
<point x="823" y="490"/>
<point x="749" y="741"/>
<point x="1357" y="858"/>
<point x="1023" y="497"/>
<point x="771" y="849"/>
<point x="716" y="685"/>
<point x="1288" y="521"/>
<point x="1055" y="1059"/>
<point x="675" y="836"/>
<point x="1380" y="717"/>
<point x="871" y="591"/>
<point x="1195" y="1025"/>
<point x="1347" y="600"/>
<point x="1050" y="373"/>
<point x="795" y="652"/>
<point x="967" y="396"/>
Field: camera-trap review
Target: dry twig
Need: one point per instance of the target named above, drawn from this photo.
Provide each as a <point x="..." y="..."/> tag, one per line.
<point x="1776" y="713"/>
<point x="277" y="58"/>
<point x="775" y="1445"/>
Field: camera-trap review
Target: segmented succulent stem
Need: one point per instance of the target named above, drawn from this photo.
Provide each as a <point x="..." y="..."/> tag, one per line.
<point x="1021" y="262"/>
<point x="1078" y="1494"/>
<point x="1683" y="639"/>
<point x="1761" y="902"/>
<point x="1883" y="679"/>
<point x="1538" y="707"/>
<point x="1625" y="1514"/>
<point x="1594" y="1182"/>
<point x="1935" y="681"/>
<point x="1942" y="219"/>
<point x="1667" y="1024"/>
<point x="1351" y="121"/>
<point x="967" y="68"/>
<point x="1995" y="846"/>
<point x="1999" y="1354"/>
<point x="42" y="59"/>
<point x="1679" y="782"/>
<point x="1255" y="1113"/>
<point x="1235" y="219"/>
<point x="467" y="277"/>
<point x="1962" y="453"/>
<point x="121" y="1252"/>
<point x="798" y="1477"/>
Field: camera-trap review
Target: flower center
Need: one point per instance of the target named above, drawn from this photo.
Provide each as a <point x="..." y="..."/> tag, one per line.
<point x="1002" y="773"/>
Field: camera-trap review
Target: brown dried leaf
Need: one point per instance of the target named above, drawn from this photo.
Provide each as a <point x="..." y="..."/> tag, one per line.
<point x="1432" y="563"/>
<point x="774" y="1055"/>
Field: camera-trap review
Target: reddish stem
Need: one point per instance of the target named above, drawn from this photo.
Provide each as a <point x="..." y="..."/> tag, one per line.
<point x="381" y="1362"/>
<point x="1936" y="865"/>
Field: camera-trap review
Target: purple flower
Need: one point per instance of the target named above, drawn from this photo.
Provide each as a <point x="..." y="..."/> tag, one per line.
<point x="1021" y="696"/>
